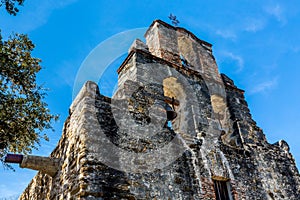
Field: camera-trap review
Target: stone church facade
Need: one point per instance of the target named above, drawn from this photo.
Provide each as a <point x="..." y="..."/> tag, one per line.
<point x="175" y="129"/>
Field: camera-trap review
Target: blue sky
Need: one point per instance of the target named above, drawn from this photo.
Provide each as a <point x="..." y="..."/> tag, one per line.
<point x="256" y="43"/>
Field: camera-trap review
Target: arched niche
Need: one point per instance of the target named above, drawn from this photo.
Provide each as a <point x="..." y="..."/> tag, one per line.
<point x="174" y="90"/>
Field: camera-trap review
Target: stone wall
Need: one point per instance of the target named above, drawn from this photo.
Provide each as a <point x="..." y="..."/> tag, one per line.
<point x="124" y="148"/>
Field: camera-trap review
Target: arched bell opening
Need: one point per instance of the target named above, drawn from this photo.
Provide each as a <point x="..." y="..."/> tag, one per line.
<point x="171" y="112"/>
<point x="174" y="98"/>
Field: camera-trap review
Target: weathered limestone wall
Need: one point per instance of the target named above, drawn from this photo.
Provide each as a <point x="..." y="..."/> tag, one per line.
<point x="162" y="42"/>
<point x="71" y="151"/>
<point x="122" y="147"/>
<point x="263" y="172"/>
<point x="83" y="175"/>
<point x="267" y="168"/>
<point x="244" y="128"/>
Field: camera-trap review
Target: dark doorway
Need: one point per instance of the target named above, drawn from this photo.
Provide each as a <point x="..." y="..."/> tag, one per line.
<point x="221" y="190"/>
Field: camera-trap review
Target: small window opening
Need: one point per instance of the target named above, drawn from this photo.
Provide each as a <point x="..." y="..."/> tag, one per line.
<point x="184" y="61"/>
<point x="222" y="190"/>
<point x="171" y="114"/>
<point x="169" y="125"/>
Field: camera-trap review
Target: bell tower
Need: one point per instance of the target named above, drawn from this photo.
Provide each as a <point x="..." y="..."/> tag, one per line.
<point x="183" y="48"/>
<point x="183" y="68"/>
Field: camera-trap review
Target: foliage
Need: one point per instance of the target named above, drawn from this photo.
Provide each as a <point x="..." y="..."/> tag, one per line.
<point x="11" y="5"/>
<point x="23" y="113"/>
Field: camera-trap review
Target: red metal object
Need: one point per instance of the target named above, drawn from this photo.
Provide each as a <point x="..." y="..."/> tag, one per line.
<point x="13" y="158"/>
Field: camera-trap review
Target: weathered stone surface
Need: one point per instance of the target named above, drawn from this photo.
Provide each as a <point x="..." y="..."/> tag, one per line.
<point x="46" y="165"/>
<point x="123" y="147"/>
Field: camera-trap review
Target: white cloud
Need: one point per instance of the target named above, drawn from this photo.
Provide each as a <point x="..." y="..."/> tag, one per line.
<point x="13" y="183"/>
<point x="295" y="49"/>
<point x="14" y="197"/>
<point x="34" y="14"/>
<point x="253" y="25"/>
<point x="7" y="192"/>
<point x="63" y="3"/>
<point x="66" y="73"/>
<point x="227" y="34"/>
<point x="238" y="59"/>
<point x="276" y="11"/>
<point x="264" y="86"/>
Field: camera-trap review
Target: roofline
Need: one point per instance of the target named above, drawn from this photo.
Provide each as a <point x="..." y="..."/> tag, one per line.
<point x="160" y="60"/>
<point x="180" y="29"/>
